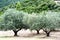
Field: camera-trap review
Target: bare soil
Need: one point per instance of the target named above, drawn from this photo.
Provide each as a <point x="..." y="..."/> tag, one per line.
<point x="28" y="35"/>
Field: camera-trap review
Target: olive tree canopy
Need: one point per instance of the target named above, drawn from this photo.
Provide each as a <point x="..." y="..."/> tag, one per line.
<point x="12" y="20"/>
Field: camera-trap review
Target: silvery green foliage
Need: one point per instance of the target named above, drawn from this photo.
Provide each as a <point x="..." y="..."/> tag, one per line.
<point x="12" y="19"/>
<point x="25" y="19"/>
<point x="33" y="21"/>
<point x="46" y="20"/>
<point x="53" y="20"/>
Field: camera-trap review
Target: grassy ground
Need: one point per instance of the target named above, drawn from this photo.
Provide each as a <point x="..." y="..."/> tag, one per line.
<point x="27" y="35"/>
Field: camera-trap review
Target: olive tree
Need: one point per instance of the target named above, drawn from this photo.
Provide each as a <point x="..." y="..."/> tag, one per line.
<point x="12" y="20"/>
<point x="46" y="21"/>
<point x="51" y="21"/>
<point x="33" y="21"/>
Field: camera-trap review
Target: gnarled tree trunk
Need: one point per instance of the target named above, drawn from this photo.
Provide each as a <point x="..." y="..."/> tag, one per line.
<point x="15" y="32"/>
<point x="47" y="33"/>
<point x="37" y="31"/>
